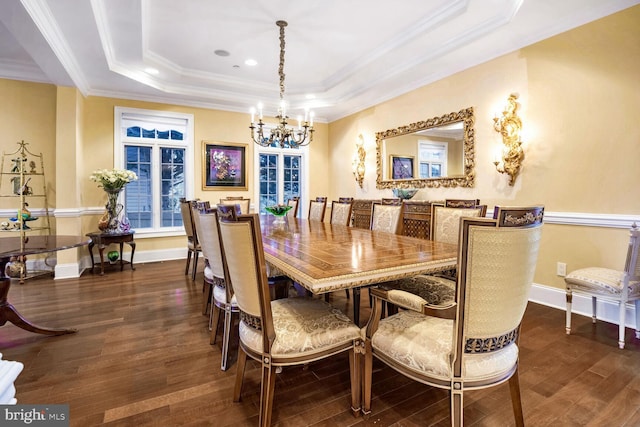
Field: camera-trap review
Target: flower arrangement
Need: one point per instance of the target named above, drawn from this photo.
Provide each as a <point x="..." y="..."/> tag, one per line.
<point x="113" y="179"/>
<point x="278" y="210"/>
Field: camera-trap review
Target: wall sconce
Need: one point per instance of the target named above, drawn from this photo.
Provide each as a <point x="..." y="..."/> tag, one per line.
<point x="509" y="126"/>
<point x="357" y="165"/>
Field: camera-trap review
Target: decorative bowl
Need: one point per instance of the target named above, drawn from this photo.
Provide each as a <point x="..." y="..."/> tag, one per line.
<point x="404" y="193"/>
<point x="278" y="210"/>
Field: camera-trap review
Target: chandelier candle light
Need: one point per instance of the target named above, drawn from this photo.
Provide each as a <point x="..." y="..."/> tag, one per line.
<point x="282" y="135"/>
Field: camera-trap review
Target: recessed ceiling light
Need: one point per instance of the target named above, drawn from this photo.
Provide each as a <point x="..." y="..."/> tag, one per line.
<point x="251" y="62"/>
<point x="221" y="52"/>
<point x="151" y="70"/>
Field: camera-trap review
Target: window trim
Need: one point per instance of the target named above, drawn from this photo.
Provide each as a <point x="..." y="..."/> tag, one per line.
<point x="163" y="117"/>
<point x="302" y="152"/>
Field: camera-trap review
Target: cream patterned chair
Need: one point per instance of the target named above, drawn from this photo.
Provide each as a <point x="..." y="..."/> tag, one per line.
<point x="608" y="284"/>
<point x="341" y="213"/>
<point x="386" y="217"/>
<point x="471" y="342"/>
<point x="317" y="209"/>
<point x="445" y="227"/>
<point x="293" y="202"/>
<point x="284" y="332"/>
<point x="245" y="204"/>
<point x="193" y="246"/>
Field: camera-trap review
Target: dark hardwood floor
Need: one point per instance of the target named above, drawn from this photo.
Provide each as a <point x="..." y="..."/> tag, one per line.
<point x="142" y="357"/>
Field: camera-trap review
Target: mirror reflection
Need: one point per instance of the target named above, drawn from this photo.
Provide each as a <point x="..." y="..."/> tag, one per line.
<point x="435" y="152"/>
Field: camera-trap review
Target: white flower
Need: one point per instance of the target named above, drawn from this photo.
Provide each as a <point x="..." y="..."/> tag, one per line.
<point x="113" y="179"/>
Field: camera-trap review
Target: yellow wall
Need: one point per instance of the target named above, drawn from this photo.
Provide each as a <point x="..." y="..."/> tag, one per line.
<point x="579" y="96"/>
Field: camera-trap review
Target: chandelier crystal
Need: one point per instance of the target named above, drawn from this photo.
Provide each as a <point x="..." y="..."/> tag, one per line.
<point x="282" y="135"/>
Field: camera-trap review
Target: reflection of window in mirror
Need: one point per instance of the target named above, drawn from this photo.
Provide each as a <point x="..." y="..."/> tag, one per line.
<point x="433" y="159"/>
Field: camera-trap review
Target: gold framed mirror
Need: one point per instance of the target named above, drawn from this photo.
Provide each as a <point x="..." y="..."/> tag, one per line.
<point x="442" y="149"/>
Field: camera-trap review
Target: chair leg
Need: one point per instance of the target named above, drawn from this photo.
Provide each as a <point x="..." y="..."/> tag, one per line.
<point x="456" y="408"/>
<point x="355" y="370"/>
<point x="195" y="265"/>
<point x="206" y="302"/>
<point x="637" y="304"/>
<point x="366" y="379"/>
<point x="268" y="385"/>
<point x="215" y="319"/>
<point x="186" y="269"/>
<point x="594" y="311"/>
<point x="242" y="362"/>
<point x="516" y="401"/>
<point x="226" y="335"/>
<point x="568" y="314"/>
<point x="621" y="324"/>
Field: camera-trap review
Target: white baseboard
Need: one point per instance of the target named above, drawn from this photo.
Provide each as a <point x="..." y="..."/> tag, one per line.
<point x="606" y="310"/>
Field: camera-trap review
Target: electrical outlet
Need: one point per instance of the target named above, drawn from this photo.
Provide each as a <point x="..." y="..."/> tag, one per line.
<point x="561" y="269"/>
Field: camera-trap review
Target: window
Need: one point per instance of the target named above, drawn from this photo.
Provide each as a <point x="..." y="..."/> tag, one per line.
<point x="432" y="159"/>
<point x="280" y="176"/>
<point x="158" y="147"/>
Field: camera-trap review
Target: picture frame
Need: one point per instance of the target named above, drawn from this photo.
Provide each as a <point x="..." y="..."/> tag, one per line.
<point x="224" y="166"/>
<point x="401" y="167"/>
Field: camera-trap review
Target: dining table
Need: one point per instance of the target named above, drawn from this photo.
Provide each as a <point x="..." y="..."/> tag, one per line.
<point x="324" y="257"/>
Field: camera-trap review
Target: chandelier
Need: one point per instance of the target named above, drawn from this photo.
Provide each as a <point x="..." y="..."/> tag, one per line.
<point x="282" y="135"/>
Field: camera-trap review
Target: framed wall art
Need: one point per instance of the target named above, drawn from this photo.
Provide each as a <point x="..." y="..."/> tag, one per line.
<point x="401" y="167"/>
<point x="224" y="166"/>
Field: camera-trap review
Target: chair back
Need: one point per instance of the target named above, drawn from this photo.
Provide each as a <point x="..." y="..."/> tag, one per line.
<point x="317" y="209"/>
<point x="294" y="201"/>
<point x="387" y="218"/>
<point x="632" y="264"/>
<point x="392" y="201"/>
<point x="245" y="204"/>
<point x="341" y="213"/>
<point x="245" y="271"/>
<point x="209" y="240"/>
<point x="445" y="222"/>
<point x="461" y="203"/>
<point x="496" y="264"/>
<point x="187" y="221"/>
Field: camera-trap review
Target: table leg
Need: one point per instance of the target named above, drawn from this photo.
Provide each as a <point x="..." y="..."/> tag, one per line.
<point x="121" y="260"/>
<point x="91" y="244"/>
<point x="133" y="250"/>
<point x="101" y="250"/>
<point x="8" y="313"/>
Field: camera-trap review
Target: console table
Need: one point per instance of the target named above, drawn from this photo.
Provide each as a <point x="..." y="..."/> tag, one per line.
<point x="102" y="240"/>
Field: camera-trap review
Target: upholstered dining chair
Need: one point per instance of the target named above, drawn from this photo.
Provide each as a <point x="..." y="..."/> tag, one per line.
<point x="471" y="342"/>
<point x="293" y="202"/>
<point x="284" y="332"/>
<point x="244" y="203"/>
<point x="193" y="246"/>
<point x="218" y="294"/>
<point x="198" y="206"/>
<point x="619" y="286"/>
<point x="445" y="226"/>
<point x="317" y="209"/>
<point x="386" y="217"/>
<point x="341" y="213"/>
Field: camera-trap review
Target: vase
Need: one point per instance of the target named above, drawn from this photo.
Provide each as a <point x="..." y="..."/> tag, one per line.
<point x="110" y="222"/>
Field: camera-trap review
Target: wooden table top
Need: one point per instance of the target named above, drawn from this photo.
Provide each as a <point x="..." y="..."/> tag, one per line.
<point x="10" y="246"/>
<point x="325" y="258"/>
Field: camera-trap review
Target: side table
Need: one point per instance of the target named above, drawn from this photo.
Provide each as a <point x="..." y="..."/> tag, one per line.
<point x="102" y="240"/>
